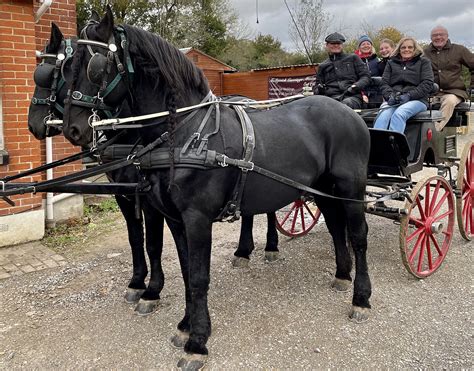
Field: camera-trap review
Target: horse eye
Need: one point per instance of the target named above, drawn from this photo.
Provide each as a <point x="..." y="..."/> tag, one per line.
<point x="96" y="68"/>
<point x="43" y="75"/>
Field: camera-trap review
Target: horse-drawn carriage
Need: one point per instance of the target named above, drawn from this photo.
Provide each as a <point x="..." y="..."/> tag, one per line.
<point x="424" y="208"/>
<point x="197" y="168"/>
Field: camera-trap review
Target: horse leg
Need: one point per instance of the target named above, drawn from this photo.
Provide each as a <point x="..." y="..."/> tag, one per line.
<point x="154" y="246"/>
<point x="357" y="232"/>
<point x="246" y="245"/>
<point x="332" y="211"/>
<point x="184" y="326"/>
<point x="136" y="285"/>
<point x="271" y="247"/>
<point x="199" y="237"/>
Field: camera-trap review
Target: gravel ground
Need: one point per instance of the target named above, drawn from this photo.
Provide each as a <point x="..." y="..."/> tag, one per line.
<point x="268" y="316"/>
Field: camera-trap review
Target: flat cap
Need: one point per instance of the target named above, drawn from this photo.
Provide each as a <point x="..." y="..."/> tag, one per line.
<point x="335" y="37"/>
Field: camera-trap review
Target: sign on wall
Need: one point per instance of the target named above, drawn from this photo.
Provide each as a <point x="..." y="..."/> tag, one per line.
<point x="280" y="87"/>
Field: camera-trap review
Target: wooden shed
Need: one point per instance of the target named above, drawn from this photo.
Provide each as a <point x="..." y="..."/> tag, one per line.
<point x="213" y="69"/>
<point x="256" y="84"/>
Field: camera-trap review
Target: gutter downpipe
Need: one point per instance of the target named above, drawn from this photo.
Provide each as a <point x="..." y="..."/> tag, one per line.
<point x="46" y="4"/>
<point x="42" y="9"/>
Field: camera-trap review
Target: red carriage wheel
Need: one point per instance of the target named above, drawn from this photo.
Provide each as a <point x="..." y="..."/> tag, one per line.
<point x="298" y="218"/>
<point x="465" y="201"/>
<point x="427" y="230"/>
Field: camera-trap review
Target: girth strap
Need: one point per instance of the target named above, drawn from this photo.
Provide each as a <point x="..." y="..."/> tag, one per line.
<point x="231" y="211"/>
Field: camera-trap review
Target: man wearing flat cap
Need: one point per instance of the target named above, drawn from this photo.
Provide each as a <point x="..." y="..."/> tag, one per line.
<point x="342" y="76"/>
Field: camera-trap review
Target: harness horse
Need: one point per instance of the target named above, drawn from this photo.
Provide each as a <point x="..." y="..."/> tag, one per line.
<point x="317" y="141"/>
<point x="46" y="104"/>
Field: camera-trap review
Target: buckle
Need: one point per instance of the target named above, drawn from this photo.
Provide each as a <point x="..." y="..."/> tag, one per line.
<point x="76" y="95"/>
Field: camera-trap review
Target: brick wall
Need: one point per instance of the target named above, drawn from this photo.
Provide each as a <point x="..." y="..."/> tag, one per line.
<point x="254" y="84"/>
<point x="20" y="37"/>
<point x="17" y="63"/>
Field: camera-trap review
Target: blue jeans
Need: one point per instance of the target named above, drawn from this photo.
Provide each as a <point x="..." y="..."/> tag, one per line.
<point x="395" y="118"/>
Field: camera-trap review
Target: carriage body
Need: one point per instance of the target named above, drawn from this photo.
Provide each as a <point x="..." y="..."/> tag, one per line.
<point x="425" y="208"/>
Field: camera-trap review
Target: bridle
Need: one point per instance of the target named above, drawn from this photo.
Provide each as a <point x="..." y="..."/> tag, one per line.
<point x="55" y="82"/>
<point x="99" y="69"/>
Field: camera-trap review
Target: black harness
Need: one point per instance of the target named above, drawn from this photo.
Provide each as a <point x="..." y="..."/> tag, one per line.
<point x="194" y="153"/>
<point x="51" y="76"/>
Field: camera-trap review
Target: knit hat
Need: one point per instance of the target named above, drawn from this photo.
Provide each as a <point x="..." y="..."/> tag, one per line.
<point x="364" y="38"/>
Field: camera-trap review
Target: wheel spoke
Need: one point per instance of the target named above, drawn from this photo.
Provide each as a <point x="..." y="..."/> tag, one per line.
<point x="420" y="208"/>
<point x="433" y="208"/>
<point x="440" y="203"/>
<point x="418" y="243"/>
<point x="294" y="220"/>
<point x="428" y="254"/>
<point x="309" y="210"/>
<point x="421" y="255"/>
<point x="426" y="209"/>
<point x="416" y="233"/>
<point x="442" y="216"/>
<point x="436" y="245"/>
<point x="303" y="225"/>
<point x="288" y="214"/>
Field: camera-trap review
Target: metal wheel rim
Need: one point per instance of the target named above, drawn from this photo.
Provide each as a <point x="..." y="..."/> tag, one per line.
<point x="465" y="184"/>
<point x="422" y="246"/>
<point x="297" y="218"/>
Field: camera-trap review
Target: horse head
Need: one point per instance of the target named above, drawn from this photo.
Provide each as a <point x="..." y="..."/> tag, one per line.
<point x="117" y="64"/>
<point x="99" y="79"/>
<point x="50" y="85"/>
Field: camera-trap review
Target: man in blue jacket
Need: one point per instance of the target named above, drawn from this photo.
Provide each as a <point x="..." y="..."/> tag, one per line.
<point x="342" y="76"/>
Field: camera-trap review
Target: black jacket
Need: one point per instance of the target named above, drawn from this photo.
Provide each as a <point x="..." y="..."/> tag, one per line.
<point x="337" y="73"/>
<point x="414" y="77"/>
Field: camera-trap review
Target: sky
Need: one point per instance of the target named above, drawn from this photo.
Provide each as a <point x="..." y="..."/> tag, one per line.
<point x="412" y="17"/>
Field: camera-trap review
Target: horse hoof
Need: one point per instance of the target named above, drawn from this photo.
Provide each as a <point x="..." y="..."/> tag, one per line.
<point x="132" y="296"/>
<point x="179" y="339"/>
<point x="238" y="262"/>
<point x="359" y="314"/>
<point x="341" y="285"/>
<point x="271" y="256"/>
<point x="146" y="307"/>
<point x="192" y="362"/>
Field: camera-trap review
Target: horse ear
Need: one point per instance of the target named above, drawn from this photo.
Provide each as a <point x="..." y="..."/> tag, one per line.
<point x="55" y="39"/>
<point x="95" y="16"/>
<point x="106" y="26"/>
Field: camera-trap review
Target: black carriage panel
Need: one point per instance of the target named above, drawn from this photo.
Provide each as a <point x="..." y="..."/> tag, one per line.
<point x="389" y="152"/>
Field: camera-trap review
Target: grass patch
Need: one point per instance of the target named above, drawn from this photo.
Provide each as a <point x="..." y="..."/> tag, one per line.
<point x="99" y="218"/>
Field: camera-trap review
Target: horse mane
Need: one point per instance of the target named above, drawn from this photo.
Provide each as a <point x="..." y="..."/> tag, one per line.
<point x="157" y="57"/>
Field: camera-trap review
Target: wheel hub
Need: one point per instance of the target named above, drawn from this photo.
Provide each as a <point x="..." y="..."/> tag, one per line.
<point x="432" y="227"/>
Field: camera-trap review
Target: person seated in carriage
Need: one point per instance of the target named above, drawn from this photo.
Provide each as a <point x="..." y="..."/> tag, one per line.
<point x="366" y="52"/>
<point x="447" y="60"/>
<point x="406" y="85"/>
<point x="385" y="49"/>
<point x="342" y="76"/>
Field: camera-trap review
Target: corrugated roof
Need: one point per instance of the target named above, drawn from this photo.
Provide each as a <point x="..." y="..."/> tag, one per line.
<point x="288" y="66"/>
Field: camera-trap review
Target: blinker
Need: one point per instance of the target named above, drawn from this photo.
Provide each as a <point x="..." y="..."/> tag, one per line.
<point x="96" y="68"/>
<point x="43" y="76"/>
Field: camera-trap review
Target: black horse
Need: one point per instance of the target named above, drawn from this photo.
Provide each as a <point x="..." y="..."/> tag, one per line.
<point x="315" y="141"/>
<point x="47" y="103"/>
